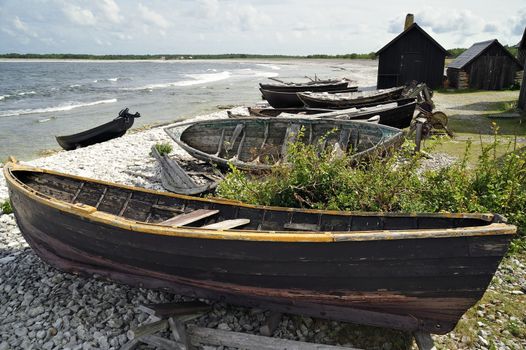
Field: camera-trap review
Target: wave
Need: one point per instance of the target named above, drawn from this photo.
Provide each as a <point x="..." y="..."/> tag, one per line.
<point x="110" y="79"/>
<point x="74" y="85"/>
<point x="23" y="93"/>
<point x="266" y="74"/>
<point x="64" y="107"/>
<point x="196" y="79"/>
<point x="271" y="66"/>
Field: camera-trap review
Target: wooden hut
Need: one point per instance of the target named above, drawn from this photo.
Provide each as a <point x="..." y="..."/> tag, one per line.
<point x="521" y="55"/>
<point x="412" y="55"/>
<point x="486" y="65"/>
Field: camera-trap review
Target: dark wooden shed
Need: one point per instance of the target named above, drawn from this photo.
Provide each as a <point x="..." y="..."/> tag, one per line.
<point x="412" y="55"/>
<point x="486" y="65"/>
<point x="521" y="55"/>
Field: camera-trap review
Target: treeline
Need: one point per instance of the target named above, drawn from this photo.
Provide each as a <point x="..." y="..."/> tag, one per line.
<point x="370" y="55"/>
<point x="454" y="53"/>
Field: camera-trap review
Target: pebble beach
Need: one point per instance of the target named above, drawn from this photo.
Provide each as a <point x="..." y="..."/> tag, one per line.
<point x="43" y="308"/>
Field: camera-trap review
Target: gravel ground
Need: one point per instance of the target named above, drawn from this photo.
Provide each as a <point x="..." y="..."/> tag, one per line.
<point x="42" y="308"/>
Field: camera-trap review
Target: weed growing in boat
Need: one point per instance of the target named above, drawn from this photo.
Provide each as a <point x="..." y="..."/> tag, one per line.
<point x="163" y="148"/>
<point x="6" y="207"/>
<point x="317" y="179"/>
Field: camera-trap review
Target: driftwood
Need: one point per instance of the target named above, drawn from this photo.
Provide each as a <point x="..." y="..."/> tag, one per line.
<point x="175" y="179"/>
<point x="185" y="338"/>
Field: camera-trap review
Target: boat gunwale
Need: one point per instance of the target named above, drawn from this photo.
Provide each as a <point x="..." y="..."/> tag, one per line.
<point x="92" y="214"/>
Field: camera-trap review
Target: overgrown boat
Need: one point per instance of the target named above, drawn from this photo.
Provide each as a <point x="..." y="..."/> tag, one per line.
<point x="260" y="143"/>
<point x="403" y="271"/>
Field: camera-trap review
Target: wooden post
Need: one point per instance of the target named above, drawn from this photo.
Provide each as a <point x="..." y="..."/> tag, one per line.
<point x="419" y="124"/>
<point x="424" y="341"/>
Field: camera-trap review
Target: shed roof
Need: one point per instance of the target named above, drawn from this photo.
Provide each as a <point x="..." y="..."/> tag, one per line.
<point x="475" y="51"/>
<point x="413" y="26"/>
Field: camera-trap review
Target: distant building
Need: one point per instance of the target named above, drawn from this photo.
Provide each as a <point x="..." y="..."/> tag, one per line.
<point x="486" y="65"/>
<point x="412" y="55"/>
<point x="521" y="55"/>
<point x="521" y="46"/>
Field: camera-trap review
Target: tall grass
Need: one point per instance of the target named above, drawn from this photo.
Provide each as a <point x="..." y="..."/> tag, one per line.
<point x="317" y="179"/>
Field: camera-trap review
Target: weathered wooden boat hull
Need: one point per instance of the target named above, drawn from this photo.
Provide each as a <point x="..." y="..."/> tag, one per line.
<point x="274" y="112"/>
<point x="399" y="116"/>
<point x="286" y="99"/>
<point x="311" y="86"/>
<point x="105" y="132"/>
<point x="260" y="143"/>
<point x="343" y="102"/>
<point x="416" y="272"/>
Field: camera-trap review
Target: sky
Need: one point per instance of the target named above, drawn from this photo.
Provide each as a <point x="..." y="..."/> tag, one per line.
<point x="290" y="27"/>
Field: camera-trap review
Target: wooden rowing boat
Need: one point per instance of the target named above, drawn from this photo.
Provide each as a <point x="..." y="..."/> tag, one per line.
<point x="404" y="271"/>
<point x="260" y="143"/>
<point x="287" y="99"/>
<point x="113" y="129"/>
<point x="274" y="112"/>
<point x="348" y="99"/>
<point x="397" y="114"/>
<point x="318" y="85"/>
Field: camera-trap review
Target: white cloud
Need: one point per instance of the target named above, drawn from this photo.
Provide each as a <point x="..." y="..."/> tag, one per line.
<point x="207" y="8"/>
<point x="111" y="11"/>
<point x="23" y="28"/>
<point x="153" y="17"/>
<point x="79" y="15"/>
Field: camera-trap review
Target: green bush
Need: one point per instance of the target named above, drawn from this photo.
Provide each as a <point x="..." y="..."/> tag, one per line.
<point x="163" y="148"/>
<point x="314" y="179"/>
<point x="6" y="207"/>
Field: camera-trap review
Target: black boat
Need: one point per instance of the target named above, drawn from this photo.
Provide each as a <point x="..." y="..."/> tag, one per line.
<point x="414" y="272"/>
<point x="288" y="99"/>
<point x="116" y="128"/>
<point x="317" y="85"/>
<point x="397" y="114"/>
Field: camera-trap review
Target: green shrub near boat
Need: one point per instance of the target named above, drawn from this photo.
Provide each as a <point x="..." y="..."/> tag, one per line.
<point x="163" y="148"/>
<point x="5" y="207"/>
<point x="314" y="179"/>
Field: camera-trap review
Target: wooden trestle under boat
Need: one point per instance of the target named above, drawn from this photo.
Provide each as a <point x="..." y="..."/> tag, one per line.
<point x="113" y="129"/>
<point x="260" y="143"/>
<point x="404" y="271"/>
<point x="348" y="99"/>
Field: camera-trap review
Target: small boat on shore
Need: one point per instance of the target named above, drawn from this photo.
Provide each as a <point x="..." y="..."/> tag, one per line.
<point x="113" y="129"/>
<point x="414" y="272"/>
<point x="348" y="99"/>
<point x="260" y="143"/>
<point x="397" y="114"/>
<point x="288" y="99"/>
<point x="315" y="85"/>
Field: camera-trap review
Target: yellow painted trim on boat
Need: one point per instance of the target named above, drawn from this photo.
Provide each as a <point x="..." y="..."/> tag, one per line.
<point x="91" y="213"/>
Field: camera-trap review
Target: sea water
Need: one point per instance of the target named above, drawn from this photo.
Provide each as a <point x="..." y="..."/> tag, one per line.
<point x="40" y="99"/>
